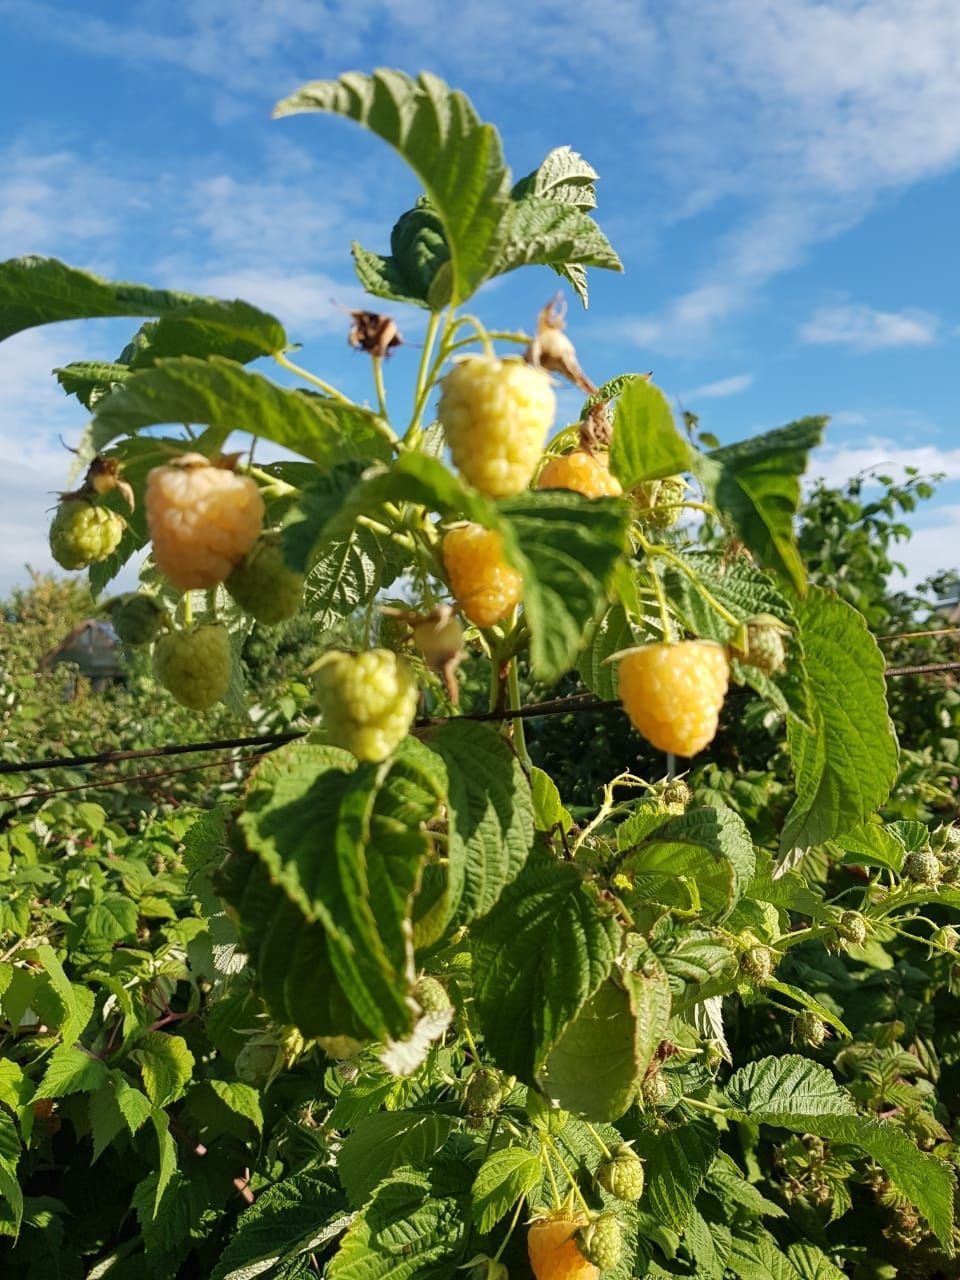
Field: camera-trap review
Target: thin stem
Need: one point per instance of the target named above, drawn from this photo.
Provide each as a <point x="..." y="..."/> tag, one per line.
<point x="661" y="604"/>
<point x="557" y="1202"/>
<point x="510" y="1230"/>
<point x="378" y="383"/>
<point x="598" y="1140"/>
<point x="482" y="333"/>
<point x="625" y="779"/>
<point x="471" y="1043"/>
<point x="326" y="387"/>
<point x="422" y="386"/>
<point x="513" y="704"/>
<point x="522" y="339"/>
<point x="704" y="1106"/>
<point x="187" y="610"/>
<point x="569" y="1176"/>
<point x="280" y="487"/>
<point x="679" y="563"/>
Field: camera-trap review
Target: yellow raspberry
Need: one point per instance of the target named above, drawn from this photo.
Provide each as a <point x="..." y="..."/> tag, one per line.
<point x="673" y="693"/>
<point x="368" y="701"/>
<point x="194" y="665"/>
<point x="552" y="1249"/>
<point x="82" y="534"/>
<point x="496" y="415"/>
<point x="485" y="586"/>
<point x="582" y="472"/>
<point x="202" y="519"/>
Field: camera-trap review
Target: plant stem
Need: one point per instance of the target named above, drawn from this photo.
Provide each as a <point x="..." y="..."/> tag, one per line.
<point x="471" y="1043"/>
<point x="557" y="1202"/>
<point x="704" y="1106"/>
<point x="513" y="704"/>
<point x="510" y="1230"/>
<point x="327" y="388"/>
<point x="679" y="563"/>
<point x="378" y="383"/>
<point x="599" y="1141"/>
<point x="187" y="610"/>
<point x="569" y="1176"/>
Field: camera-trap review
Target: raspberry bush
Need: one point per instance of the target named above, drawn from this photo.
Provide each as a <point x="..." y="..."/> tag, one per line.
<point x="390" y="1009"/>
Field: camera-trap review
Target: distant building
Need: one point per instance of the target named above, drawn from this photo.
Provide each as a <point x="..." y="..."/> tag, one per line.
<point x="94" y="649"/>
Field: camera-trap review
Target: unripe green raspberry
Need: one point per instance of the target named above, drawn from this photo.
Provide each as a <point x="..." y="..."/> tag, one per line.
<point x="258" y="1060"/>
<point x="138" y="619"/>
<point x="921" y="866"/>
<point x="622" y="1174"/>
<point x="655" y="1090"/>
<point x="658" y="501"/>
<point x="543" y="1115"/>
<point x="952" y="839"/>
<point x="713" y="1055"/>
<point x="264" y="585"/>
<point x="496" y="415"/>
<point x="484" y="1092"/>
<point x="808" y="1029"/>
<point x="601" y="1241"/>
<point x="368" y="701"/>
<point x="946" y="937"/>
<point x="82" y="534"/>
<point x="758" y="963"/>
<point x="852" y="928"/>
<point x="431" y="995"/>
<point x="766" y="649"/>
<point x="194" y="665"/>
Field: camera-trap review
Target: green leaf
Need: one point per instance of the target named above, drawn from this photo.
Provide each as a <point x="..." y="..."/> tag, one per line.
<point x="76" y="1001"/>
<point x="346" y="576"/>
<point x="242" y="1099"/>
<point x="812" y="1263"/>
<point x="490" y="811"/>
<point x="677" y="1161"/>
<point x="70" y="1070"/>
<point x="166" y="1065"/>
<point x="226" y="397"/>
<point x="538" y="957"/>
<point x="698" y="963"/>
<point x="760" y="1258"/>
<point x="347" y="848"/>
<point x="807" y="1001"/>
<point x="9" y="1157"/>
<point x="548" y="809"/>
<point x="458" y="159"/>
<point x="564" y="177"/>
<point x="383" y="1142"/>
<point x="704" y="856"/>
<point x="113" y="919"/>
<point x="301" y="1213"/>
<point x="594" y="1068"/>
<point x="611" y="634"/>
<point x="90" y="380"/>
<point x="37" y="291"/>
<point x="167" y="1152"/>
<point x="419" y="252"/>
<point x="404" y="1232"/>
<point x="208" y="327"/>
<point x="796" y="1094"/>
<point x="845" y="769"/>
<point x="550" y="233"/>
<point x="570" y="546"/>
<point x="871" y="845"/>
<point x="646" y="444"/>
<point x="504" y="1177"/>
<point x="755" y="484"/>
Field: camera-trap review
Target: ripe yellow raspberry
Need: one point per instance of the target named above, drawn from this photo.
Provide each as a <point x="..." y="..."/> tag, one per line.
<point x="658" y="502"/>
<point x="368" y="701"/>
<point x="194" y="665"/>
<point x="82" y="534"/>
<point x="202" y="519"/>
<point x="496" y="415"/>
<point x="552" y="1249"/>
<point x="485" y="586"/>
<point x="582" y="472"/>
<point x="673" y="693"/>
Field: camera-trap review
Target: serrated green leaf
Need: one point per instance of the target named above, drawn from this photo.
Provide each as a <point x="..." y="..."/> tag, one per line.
<point x="677" y="1161"/>
<point x="551" y="233"/>
<point x="646" y="443"/>
<point x="759" y="1257"/>
<point x="755" y="484"/>
<point x="548" y="809"/>
<point x="345" y="576"/>
<point x="242" y="1099"/>
<point x="233" y="330"/>
<point x="563" y="176"/>
<point x="383" y="1142"/>
<point x="698" y="963"/>
<point x="166" y="1066"/>
<point x="458" y="159"/>
<point x="403" y="1233"/>
<point x="785" y="1086"/>
<point x="570" y="547"/>
<point x="844" y="770"/>
<point x="36" y="290"/>
<point x="871" y="845"/>
<point x="226" y="397"/>
<point x="611" y="634"/>
<point x="807" y="1001"/>
<point x="491" y="815"/>
<point x="70" y="1070"/>
<point x="9" y="1156"/>
<point x="538" y="956"/>
<point x="300" y="1213"/>
<point x="812" y="1263"/>
<point x="705" y="854"/>
<point x="167" y="1152"/>
<point x="504" y="1177"/>
<point x="90" y="380"/>
<point x="113" y="919"/>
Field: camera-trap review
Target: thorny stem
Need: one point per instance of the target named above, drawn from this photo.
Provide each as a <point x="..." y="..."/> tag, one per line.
<point x="625" y="779"/>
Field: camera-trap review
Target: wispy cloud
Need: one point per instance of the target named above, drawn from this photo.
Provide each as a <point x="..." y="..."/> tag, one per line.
<point x="717" y="390"/>
<point x="837" y="463"/>
<point x="863" y="328"/>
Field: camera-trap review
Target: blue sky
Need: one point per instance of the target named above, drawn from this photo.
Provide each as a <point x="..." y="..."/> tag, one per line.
<point x="780" y="177"/>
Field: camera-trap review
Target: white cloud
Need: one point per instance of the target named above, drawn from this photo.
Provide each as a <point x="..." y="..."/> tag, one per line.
<point x="863" y="328"/>
<point x="716" y="390"/>
<point x="837" y="463"/>
<point x="933" y="548"/>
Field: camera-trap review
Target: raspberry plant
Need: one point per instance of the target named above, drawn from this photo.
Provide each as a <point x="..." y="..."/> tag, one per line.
<point x="422" y="1020"/>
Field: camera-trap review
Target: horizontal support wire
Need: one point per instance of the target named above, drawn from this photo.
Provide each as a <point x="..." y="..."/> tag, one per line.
<point x="578" y="703"/>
